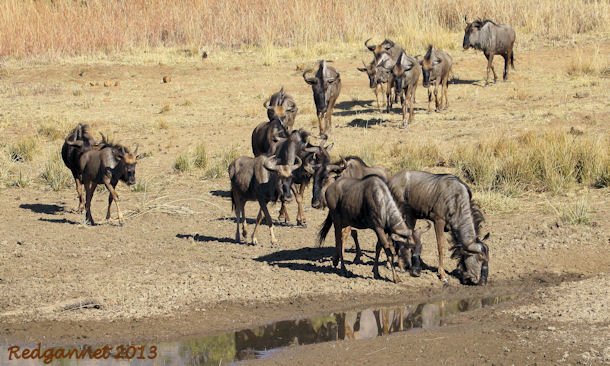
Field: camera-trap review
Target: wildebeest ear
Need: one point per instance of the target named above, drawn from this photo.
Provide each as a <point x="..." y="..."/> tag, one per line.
<point x="465" y="19"/>
<point x="486" y="236"/>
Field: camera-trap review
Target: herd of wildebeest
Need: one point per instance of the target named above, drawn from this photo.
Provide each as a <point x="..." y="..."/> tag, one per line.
<point x="358" y="196"/>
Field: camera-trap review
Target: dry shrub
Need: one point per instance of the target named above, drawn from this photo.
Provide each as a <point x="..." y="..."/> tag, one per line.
<point x="66" y="28"/>
<point x="415" y="155"/>
<point x="24" y="150"/>
<point x="221" y="164"/>
<point x="55" y="173"/>
<point x="588" y="63"/>
<point x="183" y="163"/>
<point x="200" y="160"/>
<point x="551" y="161"/>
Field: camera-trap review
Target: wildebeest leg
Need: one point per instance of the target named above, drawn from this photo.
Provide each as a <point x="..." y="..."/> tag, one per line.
<point x="490" y="60"/>
<point x="320" y="118"/>
<point x="89" y="191"/>
<point x="259" y="218"/>
<point x="411" y="100"/>
<point x="444" y="90"/>
<point x="506" y="61"/>
<point x="339" y="249"/>
<point x="115" y="196"/>
<point x="269" y="221"/>
<point x="376" y="263"/>
<point x="298" y="194"/>
<point x="378" y="89"/>
<point x="437" y="104"/>
<point x="404" y="112"/>
<point x="357" y="260"/>
<point x="244" y="232"/>
<point x="383" y="240"/>
<point x="237" y="219"/>
<point x="439" y="228"/>
<point x="79" y="192"/>
<point x="283" y="213"/>
<point x="429" y="100"/>
<point x="491" y="66"/>
<point x="329" y="115"/>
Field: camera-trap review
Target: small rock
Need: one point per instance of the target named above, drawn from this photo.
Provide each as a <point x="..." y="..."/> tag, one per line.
<point x="116" y="83"/>
<point x="579" y="95"/>
<point x="167" y="79"/>
<point x="108" y="83"/>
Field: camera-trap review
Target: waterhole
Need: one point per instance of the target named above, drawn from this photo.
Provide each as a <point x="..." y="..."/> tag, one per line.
<point x="264" y="341"/>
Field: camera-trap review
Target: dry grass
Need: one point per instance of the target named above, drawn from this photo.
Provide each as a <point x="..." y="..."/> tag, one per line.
<point x="200" y="159"/>
<point x="24" y="150"/>
<point x="221" y="164"/>
<point x="66" y="28"/>
<point x="551" y="161"/>
<point x="577" y="213"/>
<point x="588" y="64"/>
<point x="55" y="174"/>
<point x="183" y="163"/>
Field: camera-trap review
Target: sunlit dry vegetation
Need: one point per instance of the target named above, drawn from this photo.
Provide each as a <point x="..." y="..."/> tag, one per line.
<point x="89" y="27"/>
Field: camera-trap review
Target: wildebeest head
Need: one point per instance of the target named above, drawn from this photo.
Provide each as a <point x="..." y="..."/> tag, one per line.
<point x="324" y="177"/>
<point x="377" y="75"/>
<point x="284" y="175"/>
<point x="379" y="49"/>
<point x="473" y="35"/>
<point x="428" y="64"/>
<point x="279" y="106"/>
<point x="320" y="85"/>
<point x="473" y="262"/>
<point x="127" y="163"/>
<point x="399" y="71"/>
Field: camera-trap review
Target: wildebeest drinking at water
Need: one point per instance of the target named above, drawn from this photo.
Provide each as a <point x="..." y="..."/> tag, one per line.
<point x="492" y="39"/>
<point x="447" y="201"/>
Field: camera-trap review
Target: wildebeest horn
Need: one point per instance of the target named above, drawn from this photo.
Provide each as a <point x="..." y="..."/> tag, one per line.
<point x="298" y="163"/>
<point x="266" y="104"/>
<point x="475" y="248"/>
<point x="135" y="152"/>
<point x="371" y="47"/>
<point x="270" y="163"/>
<point x="104" y="139"/>
<point x="309" y="80"/>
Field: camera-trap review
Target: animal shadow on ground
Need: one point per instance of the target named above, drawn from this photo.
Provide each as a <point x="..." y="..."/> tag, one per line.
<point x="249" y="220"/>
<point x="286" y="259"/>
<point x="364" y="123"/>
<point x="42" y="208"/>
<point x="347" y="105"/>
<point x="221" y="193"/>
<point x="206" y="238"/>
<point x="59" y="221"/>
<point x="467" y="82"/>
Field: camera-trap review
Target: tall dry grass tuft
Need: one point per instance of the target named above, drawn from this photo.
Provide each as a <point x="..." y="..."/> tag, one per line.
<point x="66" y="27"/>
<point x="588" y="64"/>
<point x="55" y="174"/>
<point x="551" y="161"/>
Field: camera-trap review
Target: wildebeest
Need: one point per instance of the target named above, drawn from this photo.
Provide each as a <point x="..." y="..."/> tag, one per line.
<point x="326" y="87"/>
<point x="378" y="77"/>
<point x="107" y="165"/>
<point x="436" y="67"/>
<point x="447" y="202"/>
<point x="492" y="39"/>
<point x="405" y="75"/>
<point x="282" y="106"/>
<point x="349" y="167"/>
<point x="75" y="144"/>
<point x="264" y="179"/>
<point x="267" y="135"/>
<point x="386" y="55"/>
<point x="365" y="204"/>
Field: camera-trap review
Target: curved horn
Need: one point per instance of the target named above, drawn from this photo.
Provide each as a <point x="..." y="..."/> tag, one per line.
<point x="135" y="152"/>
<point x="309" y="80"/>
<point x="298" y="163"/>
<point x="475" y="248"/>
<point x="270" y="163"/>
<point x="371" y="47"/>
<point x="266" y="104"/>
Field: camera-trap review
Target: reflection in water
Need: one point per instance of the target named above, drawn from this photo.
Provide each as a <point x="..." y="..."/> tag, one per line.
<point x="261" y="341"/>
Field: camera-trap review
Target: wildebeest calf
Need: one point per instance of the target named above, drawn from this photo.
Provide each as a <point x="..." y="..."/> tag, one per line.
<point x="364" y="204"/>
<point x="447" y="202"/>
<point x="108" y="165"/>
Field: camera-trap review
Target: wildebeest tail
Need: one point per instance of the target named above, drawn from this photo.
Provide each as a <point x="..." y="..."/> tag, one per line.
<point x="512" y="60"/>
<point x="324" y="229"/>
<point x="231" y="172"/>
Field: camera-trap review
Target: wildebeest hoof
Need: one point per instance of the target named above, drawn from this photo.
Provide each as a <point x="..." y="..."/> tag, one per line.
<point x="254" y="241"/>
<point x="301" y="223"/>
<point x="415" y="272"/>
<point x="376" y="275"/>
<point x="357" y="260"/>
<point x="335" y="262"/>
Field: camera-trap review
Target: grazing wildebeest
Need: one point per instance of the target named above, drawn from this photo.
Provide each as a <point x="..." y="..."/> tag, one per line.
<point x="326" y="87"/>
<point x="78" y="141"/>
<point x="365" y="204"/>
<point x="107" y="165"/>
<point x="378" y="77"/>
<point x="436" y="67"/>
<point x="447" y="202"/>
<point x="349" y="167"/>
<point x="405" y="75"/>
<point x="493" y="39"/>
<point x="282" y="106"/>
<point x="264" y="179"/>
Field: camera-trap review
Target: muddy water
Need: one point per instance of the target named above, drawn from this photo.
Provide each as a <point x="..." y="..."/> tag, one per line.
<point x="264" y="341"/>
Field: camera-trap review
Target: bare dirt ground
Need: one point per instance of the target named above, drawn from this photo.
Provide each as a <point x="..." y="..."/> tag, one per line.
<point x="173" y="268"/>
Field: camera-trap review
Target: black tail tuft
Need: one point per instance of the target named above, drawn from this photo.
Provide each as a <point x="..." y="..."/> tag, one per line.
<point x="512" y="61"/>
<point x="324" y="229"/>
